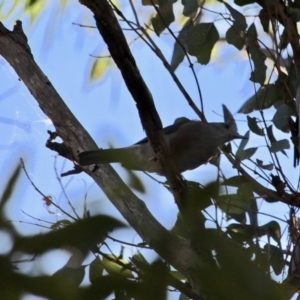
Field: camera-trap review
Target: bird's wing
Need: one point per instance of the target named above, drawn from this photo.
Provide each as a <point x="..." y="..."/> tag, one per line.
<point x="169" y="129"/>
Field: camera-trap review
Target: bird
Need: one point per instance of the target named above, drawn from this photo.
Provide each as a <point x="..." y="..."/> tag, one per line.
<point x="192" y="143"/>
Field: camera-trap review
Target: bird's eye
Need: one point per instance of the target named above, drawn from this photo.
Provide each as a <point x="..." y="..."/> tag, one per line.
<point x="227" y="126"/>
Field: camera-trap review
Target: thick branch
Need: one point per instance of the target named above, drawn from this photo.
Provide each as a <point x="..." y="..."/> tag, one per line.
<point x="113" y="36"/>
<point x="177" y="252"/>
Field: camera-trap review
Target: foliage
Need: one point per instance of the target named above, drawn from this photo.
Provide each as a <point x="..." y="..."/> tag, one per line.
<point x="239" y="259"/>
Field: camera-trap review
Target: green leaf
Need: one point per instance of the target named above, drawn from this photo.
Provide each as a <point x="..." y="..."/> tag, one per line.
<point x="252" y="124"/>
<point x="9" y="188"/>
<point x="264" y="19"/>
<point x="135" y="181"/>
<point x="240" y="21"/>
<point x="273" y="229"/>
<point x="235" y="181"/>
<point x="99" y="68"/>
<point x="140" y="261"/>
<point x="189" y="7"/>
<point x="115" y="266"/>
<point x="183" y="297"/>
<point x="241" y="233"/>
<point x="96" y="269"/>
<point x="272" y="138"/>
<point x="70" y="276"/>
<point x="235" y="38"/>
<point x="162" y="21"/>
<point x="280" y="145"/>
<point x="259" y="73"/>
<point x="178" y="52"/>
<point x="245" y="154"/>
<point x="200" y="41"/>
<point x="235" y="35"/>
<point x="244" y="141"/>
<point x="294" y="13"/>
<point x="268" y="167"/>
<point x="231" y="205"/>
<point x="60" y="224"/>
<point x="243" y="2"/>
<point x="281" y="117"/>
<point x="275" y="257"/>
<point x="266" y="96"/>
<point x="178" y="275"/>
<point x="83" y="234"/>
<point x="34" y="8"/>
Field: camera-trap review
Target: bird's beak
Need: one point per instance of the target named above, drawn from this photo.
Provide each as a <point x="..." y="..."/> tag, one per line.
<point x="238" y="136"/>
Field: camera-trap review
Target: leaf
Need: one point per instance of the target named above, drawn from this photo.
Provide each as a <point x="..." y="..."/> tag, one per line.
<point x="99" y="68"/>
<point x="266" y="96"/>
<point x="272" y="138"/>
<point x="200" y="41"/>
<point x="34" y="8"/>
<point x="235" y="35"/>
<point x="135" y="181"/>
<point x="276" y="258"/>
<point x="273" y="229"/>
<point x="232" y="207"/>
<point x="258" y="57"/>
<point x="240" y="21"/>
<point x="235" y="38"/>
<point x="264" y="19"/>
<point x="245" y="154"/>
<point x="96" y="269"/>
<point x="59" y="224"/>
<point x="281" y="117"/>
<point x="70" y="276"/>
<point x="241" y="233"/>
<point x="243" y="2"/>
<point x="161" y="21"/>
<point x="178" y="275"/>
<point x="189" y="7"/>
<point x="252" y="124"/>
<point x="280" y="145"/>
<point x="178" y="52"/>
<point x="83" y="234"/>
<point x="149" y="2"/>
<point x="294" y="14"/>
<point x="140" y="261"/>
<point x="10" y="186"/>
<point x="235" y="181"/>
<point x="244" y="141"/>
<point x="115" y="266"/>
<point x="268" y="167"/>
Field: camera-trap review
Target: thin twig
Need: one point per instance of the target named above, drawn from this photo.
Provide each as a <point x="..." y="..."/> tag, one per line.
<point x="44" y="196"/>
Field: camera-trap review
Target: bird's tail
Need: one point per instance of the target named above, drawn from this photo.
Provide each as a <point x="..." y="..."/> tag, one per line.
<point x="101" y="156"/>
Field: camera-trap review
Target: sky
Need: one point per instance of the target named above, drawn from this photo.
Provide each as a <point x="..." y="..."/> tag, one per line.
<point x="106" y="109"/>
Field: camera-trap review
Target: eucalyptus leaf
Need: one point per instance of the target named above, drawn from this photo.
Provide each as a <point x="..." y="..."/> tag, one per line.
<point x="235" y="38"/>
<point x="268" y="167"/>
<point x="281" y="117"/>
<point x="240" y="21"/>
<point x="245" y="154"/>
<point x="280" y="145"/>
<point x="200" y="41"/>
<point x="252" y="124"/>
<point x="266" y="96"/>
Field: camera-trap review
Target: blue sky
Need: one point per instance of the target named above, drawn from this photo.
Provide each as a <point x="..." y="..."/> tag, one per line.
<point x="108" y="112"/>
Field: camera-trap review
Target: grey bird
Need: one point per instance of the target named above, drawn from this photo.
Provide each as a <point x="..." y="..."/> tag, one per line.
<point x="192" y="143"/>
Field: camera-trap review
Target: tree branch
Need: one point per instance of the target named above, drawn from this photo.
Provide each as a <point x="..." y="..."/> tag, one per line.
<point x="177" y="252"/>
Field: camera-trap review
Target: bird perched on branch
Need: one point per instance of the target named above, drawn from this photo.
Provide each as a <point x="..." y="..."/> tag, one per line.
<point x="192" y="143"/>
